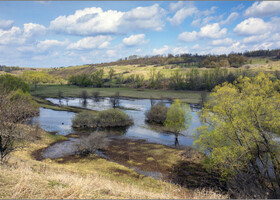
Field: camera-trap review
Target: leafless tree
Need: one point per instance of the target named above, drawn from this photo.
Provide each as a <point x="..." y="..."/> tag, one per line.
<point x="115" y="100"/>
<point x="89" y="144"/>
<point x="14" y="111"/>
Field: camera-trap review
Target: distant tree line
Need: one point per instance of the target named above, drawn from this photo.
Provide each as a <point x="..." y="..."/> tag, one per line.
<point x="194" y="79"/>
<point x="263" y="53"/>
<point x="9" y="69"/>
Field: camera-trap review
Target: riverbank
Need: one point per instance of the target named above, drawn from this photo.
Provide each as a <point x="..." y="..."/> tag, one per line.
<point x="82" y="177"/>
<point x="52" y="91"/>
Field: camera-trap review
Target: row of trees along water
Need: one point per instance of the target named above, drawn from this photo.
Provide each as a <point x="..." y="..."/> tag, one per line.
<point x="194" y="79"/>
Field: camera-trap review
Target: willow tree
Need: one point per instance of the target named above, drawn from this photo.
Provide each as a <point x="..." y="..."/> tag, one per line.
<point x="241" y="132"/>
<point x="178" y="118"/>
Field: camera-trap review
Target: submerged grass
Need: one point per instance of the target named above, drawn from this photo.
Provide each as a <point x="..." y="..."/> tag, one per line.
<point x="51" y="91"/>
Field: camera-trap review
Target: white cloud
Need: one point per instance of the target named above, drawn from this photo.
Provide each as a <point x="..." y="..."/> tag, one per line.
<point x="232" y="17"/>
<point x="111" y="53"/>
<point x="209" y="12"/>
<point x="6" y="24"/>
<point x="252" y="26"/>
<point x="209" y="31"/>
<point x="176" y="6"/>
<point x="181" y="15"/>
<point x="100" y="42"/>
<point x="92" y="21"/>
<point x="180" y="50"/>
<point x="31" y="30"/>
<point x="226" y="41"/>
<point x="161" y="51"/>
<point x="12" y="36"/>
<point x="47" y="44"/>
<point x="144" y="18"/>
<point x="135" y="40"/>
<point x="212" y="31"/>
<point x="235" y="47"/>
<point x="256" y="38"/>
<point x="188" y="36"/>
<point x="196" y="22"/>
<point x="263" y="8"/>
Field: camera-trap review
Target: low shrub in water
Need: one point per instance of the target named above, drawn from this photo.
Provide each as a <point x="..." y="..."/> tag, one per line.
<point x="104" y="119"/>
<point x="157" y="114"/>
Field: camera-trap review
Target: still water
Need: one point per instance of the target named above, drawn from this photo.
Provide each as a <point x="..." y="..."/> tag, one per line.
<point x="59" y="122"/>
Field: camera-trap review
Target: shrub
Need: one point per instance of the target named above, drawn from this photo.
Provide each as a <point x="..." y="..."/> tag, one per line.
<point x="85" y="119"/>
<point x="114" y="118"/>
<point x="157" y="113"/>
<point x="104" y="119"/>
<point x="91" y="143"/>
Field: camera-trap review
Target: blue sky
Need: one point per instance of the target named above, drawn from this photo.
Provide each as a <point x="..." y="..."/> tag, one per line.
<point x="64" y="33"/>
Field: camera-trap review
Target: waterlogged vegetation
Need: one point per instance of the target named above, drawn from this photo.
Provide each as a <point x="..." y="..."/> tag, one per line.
<point x="104" y="119"/>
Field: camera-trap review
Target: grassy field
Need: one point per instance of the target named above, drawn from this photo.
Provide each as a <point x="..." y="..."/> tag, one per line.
<point x="83" y="177"/>
<point x="45" y="91"/>
<point x="264" y="64"/>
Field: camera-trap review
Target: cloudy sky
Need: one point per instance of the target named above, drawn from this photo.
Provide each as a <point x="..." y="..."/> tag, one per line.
<point x="54" y="34"/>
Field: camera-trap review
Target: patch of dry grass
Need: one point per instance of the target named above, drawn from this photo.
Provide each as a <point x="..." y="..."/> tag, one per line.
<point x="83" y="178"/>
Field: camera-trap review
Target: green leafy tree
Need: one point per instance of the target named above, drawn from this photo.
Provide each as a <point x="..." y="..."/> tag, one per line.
<point x="35" y="78"/>
<point x="111" y="74"/>
<point x="242" y="120"/>
<point x="97" y="78"/>
<point x="178" y="118"/>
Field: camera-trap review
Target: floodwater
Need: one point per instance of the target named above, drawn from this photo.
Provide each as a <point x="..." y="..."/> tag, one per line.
<point x="59" y="122"/>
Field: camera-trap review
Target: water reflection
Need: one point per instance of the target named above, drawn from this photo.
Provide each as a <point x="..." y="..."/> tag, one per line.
<point x="60" y="121"/>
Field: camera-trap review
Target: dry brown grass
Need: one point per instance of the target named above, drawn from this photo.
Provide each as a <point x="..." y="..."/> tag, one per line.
<point x="25" y="177"/>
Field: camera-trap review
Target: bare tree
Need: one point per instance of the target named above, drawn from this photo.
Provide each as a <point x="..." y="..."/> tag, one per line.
<point x="14" y="111"/>
<point x="96" y="96"/>
<point x="115" y="100"/>
<point x="84" y="96"/>
<point x="89" y="144"/>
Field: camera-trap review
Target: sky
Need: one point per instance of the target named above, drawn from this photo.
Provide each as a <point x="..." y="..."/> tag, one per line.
<point x="68" y="33"/>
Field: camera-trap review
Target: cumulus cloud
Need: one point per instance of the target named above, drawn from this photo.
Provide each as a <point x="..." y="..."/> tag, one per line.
<point x="6" y="24"/>
<point x="47" y="44"/>
<point x="212" y="31"/>
<point x="181" y="15"/>
<point x="188" y="36"/>
<point x="256" y="38"/>
<point x="162" y="50"/>
<point x="135" y="40"/>
<point x="31" y="30"/>
<point x="263" y="8"/>
<point x="100" y="42"/>
<point x="252" y="26"/>
<point x="16" y="35"/>
<point x="11" y="36"/>
<point x="92" y="21"/>
<point x="232" y="17"/>
<point x="209" y="31"/>
<point x="180" y="50"/>
<point x="226" y="41"/>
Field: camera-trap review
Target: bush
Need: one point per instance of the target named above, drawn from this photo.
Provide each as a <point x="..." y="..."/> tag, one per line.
<point x="91" y="143"/>
<point x="85" y="119"/>
<point x="12" y="83"/>
<point x="104" y="119"/>
<point x="157" y="114"/>
<point x="114" y="118"/>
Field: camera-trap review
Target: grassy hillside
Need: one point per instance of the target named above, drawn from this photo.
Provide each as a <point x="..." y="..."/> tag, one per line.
<point x="263" y="64"/>
<point x="83" y="177"/>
